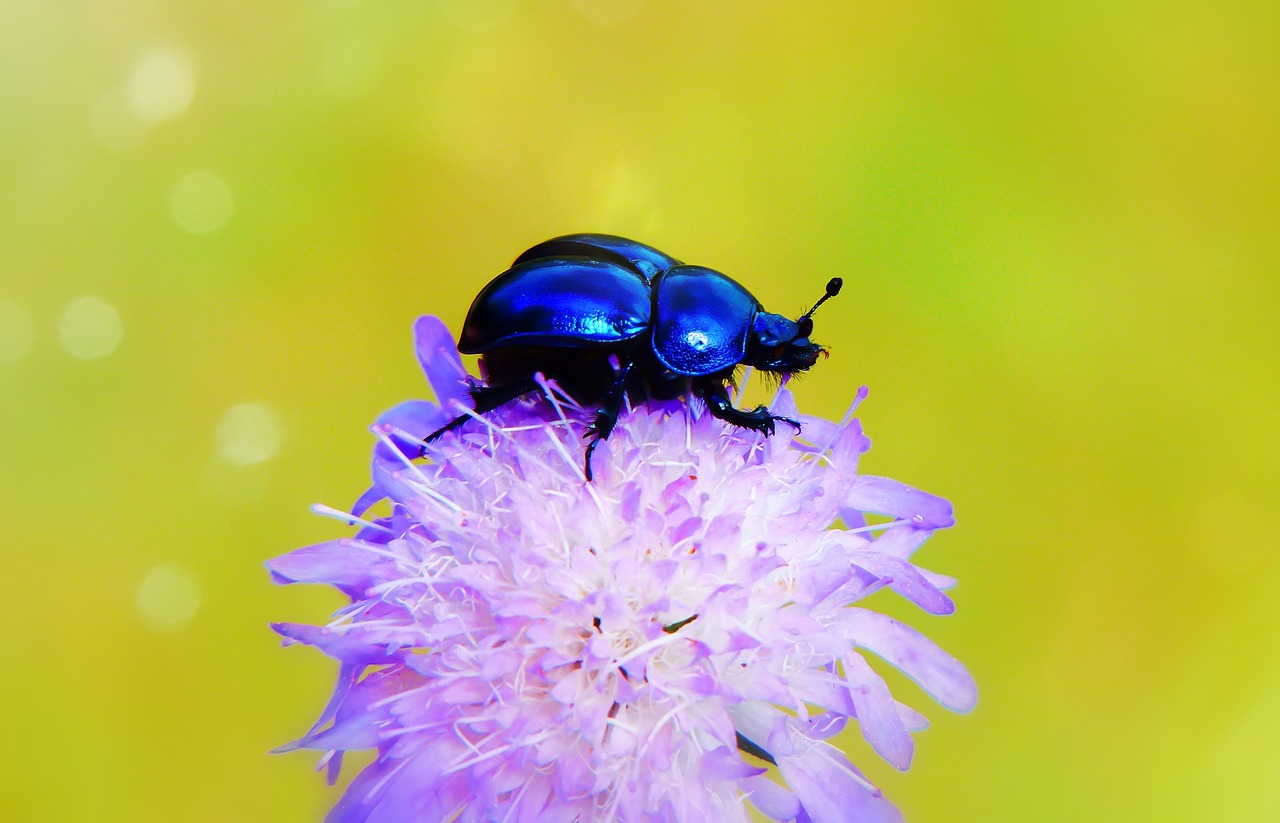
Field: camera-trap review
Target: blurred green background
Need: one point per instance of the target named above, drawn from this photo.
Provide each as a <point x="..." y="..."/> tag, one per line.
<point x="1057" y="225"/>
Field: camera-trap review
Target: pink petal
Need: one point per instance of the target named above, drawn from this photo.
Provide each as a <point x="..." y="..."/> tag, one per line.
<point x="349" y="564"/>
<point x="770" y="798"/>
<point x="832" y="790"/>
<point x="357" y="645"/>
<point x="884" y="496"/>
<point x="912" y="719"/>
<point x="940" y="674"/>
<point x="901" y="541"/>
<point x="906" y="580"/>
<point x="878" y="713"/>
<point x="439" y="358"/>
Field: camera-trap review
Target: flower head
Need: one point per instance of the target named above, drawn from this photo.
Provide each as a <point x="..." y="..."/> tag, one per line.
<point x="522" y="645"/>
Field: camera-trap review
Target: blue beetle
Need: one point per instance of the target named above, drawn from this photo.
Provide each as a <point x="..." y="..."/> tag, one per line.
<point x="605" y="316"/>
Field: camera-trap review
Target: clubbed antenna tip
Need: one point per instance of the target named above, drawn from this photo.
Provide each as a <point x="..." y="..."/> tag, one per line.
<point x="833" y="288"/>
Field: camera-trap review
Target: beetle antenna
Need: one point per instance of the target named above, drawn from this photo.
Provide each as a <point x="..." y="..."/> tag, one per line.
<point x="833" y="288"/>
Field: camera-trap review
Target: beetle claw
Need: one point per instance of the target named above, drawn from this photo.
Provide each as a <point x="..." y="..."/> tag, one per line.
<point x="795" y="424"/>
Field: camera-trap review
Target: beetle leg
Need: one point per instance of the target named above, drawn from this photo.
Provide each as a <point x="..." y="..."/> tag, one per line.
<point x="607" y="414"/>
<point x="749" y="746"/>
<point x="483" y="399"/>
<point x="713" y="393"/>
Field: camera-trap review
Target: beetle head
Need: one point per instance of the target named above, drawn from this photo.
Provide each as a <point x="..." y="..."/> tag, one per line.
<point x="778" y="344"/>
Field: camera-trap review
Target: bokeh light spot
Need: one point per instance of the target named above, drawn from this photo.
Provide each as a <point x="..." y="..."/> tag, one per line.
<point x="162" y="84"/>
<point x="202" y="203"/>
<point x="90" y="327"/>
<point x="248" y="433"/>
<point x="169" y="596"/>
<point x="17" y="332"/>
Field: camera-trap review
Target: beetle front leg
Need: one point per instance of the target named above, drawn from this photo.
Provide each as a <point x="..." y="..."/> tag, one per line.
<point x="607" y="414"/>
<point x="712" y="391"/>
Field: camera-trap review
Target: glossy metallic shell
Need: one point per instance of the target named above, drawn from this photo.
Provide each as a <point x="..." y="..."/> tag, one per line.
<point x="572" y="302"/>
<point x="607" y="247"/>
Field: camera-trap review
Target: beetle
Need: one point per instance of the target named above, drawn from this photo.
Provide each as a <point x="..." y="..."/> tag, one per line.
<point x="605" y="316"/>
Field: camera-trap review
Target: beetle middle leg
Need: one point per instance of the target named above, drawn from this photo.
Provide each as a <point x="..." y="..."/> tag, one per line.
<point x="712" y="391"/>
<point x="607" y="414"/>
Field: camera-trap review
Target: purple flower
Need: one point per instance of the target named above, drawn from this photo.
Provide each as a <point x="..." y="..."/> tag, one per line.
<point x="522" y="645"/>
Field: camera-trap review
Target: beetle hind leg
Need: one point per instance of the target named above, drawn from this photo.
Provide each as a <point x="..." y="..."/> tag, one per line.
<point x="714" y="394"/>
<point x="484" y="399"/>
<point x="607" y="414"/>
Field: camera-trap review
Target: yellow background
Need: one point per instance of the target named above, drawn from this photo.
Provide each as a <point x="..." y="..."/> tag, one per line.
<point x="1057" y="224"/>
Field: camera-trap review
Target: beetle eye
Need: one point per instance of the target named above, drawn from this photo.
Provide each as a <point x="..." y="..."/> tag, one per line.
<point x="805" y="327"/>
